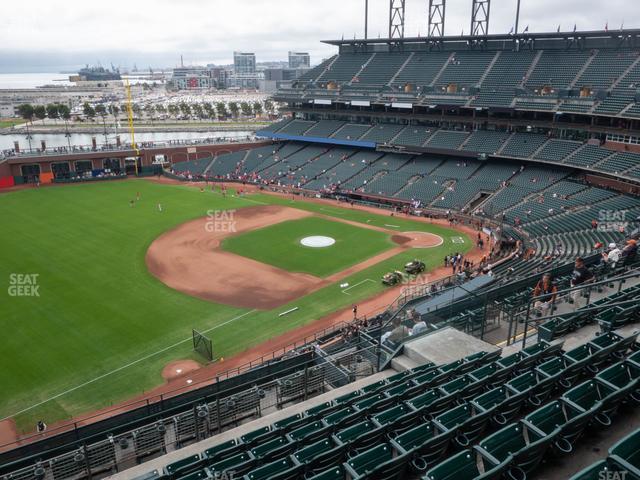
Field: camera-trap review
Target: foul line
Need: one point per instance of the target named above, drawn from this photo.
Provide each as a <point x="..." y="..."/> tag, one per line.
<point x="124" y="366"/>
<point x="355" y="285"/>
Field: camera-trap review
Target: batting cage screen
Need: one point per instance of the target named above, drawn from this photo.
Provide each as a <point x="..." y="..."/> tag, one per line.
<point x="203" y="345"/>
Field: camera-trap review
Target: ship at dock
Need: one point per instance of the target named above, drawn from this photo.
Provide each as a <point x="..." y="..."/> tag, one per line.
<point x="96" y="74"/>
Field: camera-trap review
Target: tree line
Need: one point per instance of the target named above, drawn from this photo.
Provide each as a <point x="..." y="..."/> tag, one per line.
<point x="203" y="111"/>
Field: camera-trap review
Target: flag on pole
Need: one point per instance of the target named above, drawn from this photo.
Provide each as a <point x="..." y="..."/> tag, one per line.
<point x="526" y="29"/>
<point x="606" y="26"/>
<point x="575" y="27"/>
<point x="511" y="31"/>
<point x="558" y="28"/>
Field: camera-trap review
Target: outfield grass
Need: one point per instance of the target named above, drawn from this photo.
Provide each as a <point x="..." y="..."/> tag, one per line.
<point x="11" y="122"/>
<point x="103" y="327"/>
<point x="353" y="245"/>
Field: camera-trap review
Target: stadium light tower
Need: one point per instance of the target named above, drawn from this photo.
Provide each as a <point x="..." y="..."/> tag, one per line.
<point x="436" y="18"/>
<point x="366" y="19"/>
<point x="396" y="18"/>
<point x="480" y="17"/>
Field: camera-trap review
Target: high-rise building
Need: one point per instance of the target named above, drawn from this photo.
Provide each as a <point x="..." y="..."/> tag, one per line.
<point x="299" y="60"/>
<point x="244" y="63"/>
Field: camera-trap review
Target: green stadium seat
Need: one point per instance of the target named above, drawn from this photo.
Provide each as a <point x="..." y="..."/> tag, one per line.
<point x="468" y="424"/>
<point x="283" y="469"/>
<point x="273" y="449"/>
<point x="597" y="471"/>
<point x="374" y="387"/>
<point x="592" y="356"/>
<point x="334" y="473"/>
<point x="394" y="414"/>
<point x="343" y="417"/>
<point x="624" y="346"/>
<point x="494" y="374"/>
<point x="600" y="398"/>
<point x="348" y="398"/>
<point x="377" y="463"/>
<point x="289" y="423"/>
<point x="467" y="465"/>
<point x="182" y="465"/>
<point x="564" y="422"/>
<point x="635" y="358"/>
<point x="257" y="436"/>
<point x="554" y="328"/>
<point x="425" y="443"/>
<point x="197" y="475"/>
<point x="538" y="387"/>
<point x="238" y="464"/>
<point x="319" y="411"/>
<point x="503" y="403"/>
<point x="360" y="436"/>
<point x="563" y="371"/>
<point x="623" y="376"/>
<point x="223" y="450"/>
<point x="625" y="454"/>
<point x="310" y="432"/>
<point x="373" y="403"/>
<point x="463" y="387"/>
<point x="432" y="402"/>
<point x="620" y="317"/>
<point x="431" y="378"/>
<point x="523" y="447"/>
<point x="321" y="455"/>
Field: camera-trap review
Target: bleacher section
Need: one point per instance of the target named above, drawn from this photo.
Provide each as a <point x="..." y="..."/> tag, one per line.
<point x="482" y="414"/>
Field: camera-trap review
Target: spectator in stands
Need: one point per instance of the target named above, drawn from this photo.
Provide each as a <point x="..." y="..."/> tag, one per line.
<point x="581" y="276"/>
<point x="399" y="332"/>
<point x="629" y="251"/>
<point x="612" y="255"/>
<point x="546" y="292"/>
<point x="419" y="325"/>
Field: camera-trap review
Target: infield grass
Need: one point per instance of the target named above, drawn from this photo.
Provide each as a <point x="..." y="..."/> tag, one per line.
<point x="102" y="327"/>
<point x="353" y="245"/>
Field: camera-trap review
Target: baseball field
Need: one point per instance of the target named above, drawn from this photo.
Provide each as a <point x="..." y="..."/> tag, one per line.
<point x="103" y="283"/>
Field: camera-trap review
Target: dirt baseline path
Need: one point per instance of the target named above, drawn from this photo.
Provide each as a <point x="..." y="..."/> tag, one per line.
<point x="189" y="259"/>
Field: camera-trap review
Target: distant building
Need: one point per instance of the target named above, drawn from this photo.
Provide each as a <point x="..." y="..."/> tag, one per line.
<point x="191" y="78"/>
<point x="275" y="78"/>
<point x="299" y="60"/>
<point x="244" y="63"/>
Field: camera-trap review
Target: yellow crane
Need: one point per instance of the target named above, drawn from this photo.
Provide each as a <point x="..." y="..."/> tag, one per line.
<point x="130" y="119"/>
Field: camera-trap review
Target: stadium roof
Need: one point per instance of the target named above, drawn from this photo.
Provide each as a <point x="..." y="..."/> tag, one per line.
<point x="630" y="35"/>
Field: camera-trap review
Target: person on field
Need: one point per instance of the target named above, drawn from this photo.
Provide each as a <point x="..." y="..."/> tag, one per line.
<point x="41" y="426"/>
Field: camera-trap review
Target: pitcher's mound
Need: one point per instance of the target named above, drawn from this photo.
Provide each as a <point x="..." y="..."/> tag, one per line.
<point x="418" y="240"/>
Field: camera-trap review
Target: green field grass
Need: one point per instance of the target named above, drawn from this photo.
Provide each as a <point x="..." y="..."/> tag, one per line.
<point x="102" y="327"/>
<point x="10" y="122"/>
<point x="353" y="245"/>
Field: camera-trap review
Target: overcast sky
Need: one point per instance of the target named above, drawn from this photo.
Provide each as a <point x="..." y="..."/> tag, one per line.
<point x="51" y="35"/>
